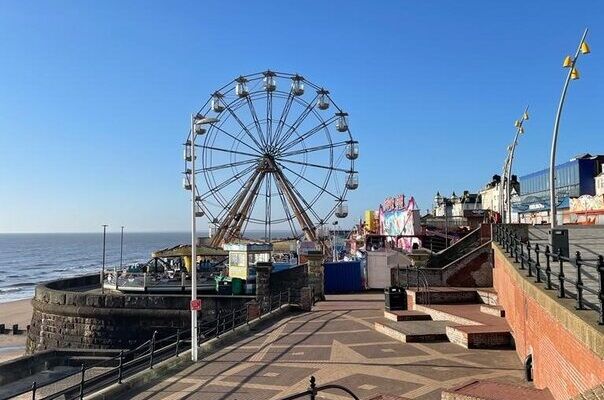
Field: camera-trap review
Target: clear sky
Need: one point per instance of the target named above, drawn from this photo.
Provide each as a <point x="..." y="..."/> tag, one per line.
<point x="95" y="97"/>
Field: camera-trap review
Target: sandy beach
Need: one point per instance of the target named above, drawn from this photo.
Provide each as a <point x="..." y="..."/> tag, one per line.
<point x="14" y="312"/>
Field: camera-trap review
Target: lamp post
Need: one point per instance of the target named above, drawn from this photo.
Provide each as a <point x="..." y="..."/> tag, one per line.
<point x="103" y="264"/>
<point x="333" y="245"/>
<point x="121" y="257"/>
<point x="508" y="176"/>
<point x="573" y="74"/>
<point x="197" y="128"/>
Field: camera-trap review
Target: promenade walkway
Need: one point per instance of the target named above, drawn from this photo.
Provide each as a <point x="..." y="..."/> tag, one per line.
<point x="336" y="343"/>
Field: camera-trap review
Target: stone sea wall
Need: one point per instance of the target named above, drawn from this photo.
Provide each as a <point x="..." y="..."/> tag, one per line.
<point x="67" y="315"/>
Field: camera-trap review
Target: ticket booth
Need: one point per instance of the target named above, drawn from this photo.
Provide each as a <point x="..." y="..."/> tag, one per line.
<point x="244" y="256"/>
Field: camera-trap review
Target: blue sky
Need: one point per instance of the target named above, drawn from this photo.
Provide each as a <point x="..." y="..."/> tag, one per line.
<point x="95" y="96"/>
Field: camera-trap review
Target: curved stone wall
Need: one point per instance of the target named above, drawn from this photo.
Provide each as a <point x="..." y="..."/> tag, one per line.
<point x="72" y="313"/>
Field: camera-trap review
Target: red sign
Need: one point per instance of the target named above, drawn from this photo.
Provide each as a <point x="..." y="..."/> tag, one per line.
<point x="196" y="304"/>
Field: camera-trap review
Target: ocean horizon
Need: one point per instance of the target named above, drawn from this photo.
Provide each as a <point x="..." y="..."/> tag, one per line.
<point x="27" y="259"/>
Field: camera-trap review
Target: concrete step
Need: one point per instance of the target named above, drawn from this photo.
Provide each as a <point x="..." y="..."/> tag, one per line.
<point x="413" y="331"/>
<point x="469" y="327"/>
<point x="492" y="390"/>
<point x="406" y="315"/>
<point x="443" y="295"/>
<point x="496" y="311"/>
<point x="480" y="337"/>
<point x="488" y="296"/>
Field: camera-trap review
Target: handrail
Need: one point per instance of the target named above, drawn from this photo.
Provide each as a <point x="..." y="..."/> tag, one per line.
<point x="153" y="353"/>
<point x="314" y="389"/>
<point x="570" y="283"/>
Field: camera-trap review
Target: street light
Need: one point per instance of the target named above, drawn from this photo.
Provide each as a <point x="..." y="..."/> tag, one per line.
<point x="573" y="74"/>
<point x="508" y="175"/>
<point x="103" y="265"/>
<point x="333" y="244"/>
<point x="197" y="128"/>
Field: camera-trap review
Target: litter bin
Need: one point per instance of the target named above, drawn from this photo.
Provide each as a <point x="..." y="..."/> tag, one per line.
<point x="560" y="241"/>
<point x="237" y="285"/>
<point x="396" y="298"/>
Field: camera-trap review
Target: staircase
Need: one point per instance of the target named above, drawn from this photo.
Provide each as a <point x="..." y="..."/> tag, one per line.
<point x="467" y="317"/>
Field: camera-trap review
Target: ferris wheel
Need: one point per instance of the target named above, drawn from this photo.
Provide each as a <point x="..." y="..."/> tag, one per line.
<point x="277" y="156"/>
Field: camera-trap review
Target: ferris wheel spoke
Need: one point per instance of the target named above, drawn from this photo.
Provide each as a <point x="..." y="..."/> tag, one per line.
<point x="303" y="219"/>
<point x="308" y="134"/>
<point x="256" y="121"/>
<point x="312" y="149"/>
<point x="267" y="207"/>
<point x="247" y="208"/>
<point x="269" y="118"/>
<point x="309" y="181"/>
<point x="311" y="165"/>
<point x="247" y="131"/>
<point x="256" y="156"/>
<point x="290" y="218"/>
<point x="227" y="182"/>
<point x="223" y="166"/>
<point x="283" y="117"/>
<point x="308" y="206"/>
<point x="290" y="131"/>
<point x="229" y="204"/>
<point x="238" y="140"/>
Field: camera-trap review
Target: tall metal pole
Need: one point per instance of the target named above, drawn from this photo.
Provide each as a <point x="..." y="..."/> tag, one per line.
<point x="552" y="160"/>
<point x="519" y="130"/>
<point x="501" y="205"/>
<point x="103" y="265"/>
<point x="193" y="246"/>
<point x="121" y="258"/>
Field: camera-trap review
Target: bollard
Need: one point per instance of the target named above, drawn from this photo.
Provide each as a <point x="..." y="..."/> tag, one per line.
<point x="82" y="378"/>
<point x="2" y="328"/>
<point x="15" y="329"/>
<point x="34" y="387"/>
<point x="120" y="367"/>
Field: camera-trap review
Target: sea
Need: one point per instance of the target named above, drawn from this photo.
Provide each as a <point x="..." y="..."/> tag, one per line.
<point x="28" y="259"/>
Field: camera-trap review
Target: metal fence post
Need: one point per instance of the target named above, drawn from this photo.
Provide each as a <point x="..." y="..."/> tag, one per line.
<point x="218" y="323"/>
<point x="528" y="256"/>
<point x="177" y="341"/>
<point x="561" y="293"/>
<point x="601" y="296"/>
<point x="521" y="256"/>
<point x="313" y="388"/>
<point x="579" y="284"/>
<point x="82" y="378"/>
<point x="120" y="367"/>
<point x="289" y="295"/>
<point x="537" y="263"/>
<point x="515" y="240"/>
<point x="34" y="387"/>
<point x="233" y="322"/>
<point x="548" y="269"/>
<point x="152" y="348"/>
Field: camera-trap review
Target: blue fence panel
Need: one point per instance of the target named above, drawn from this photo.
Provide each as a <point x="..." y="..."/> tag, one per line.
<point x="343" y="277"/>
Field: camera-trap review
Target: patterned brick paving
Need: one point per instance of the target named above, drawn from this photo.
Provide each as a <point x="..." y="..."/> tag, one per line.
<point x="336" y="343"/>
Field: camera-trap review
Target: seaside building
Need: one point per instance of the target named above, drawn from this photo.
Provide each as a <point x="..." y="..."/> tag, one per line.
<point x="490" y="194"/>
<point x="578" y="201"/>
<point x="456" y="206"/>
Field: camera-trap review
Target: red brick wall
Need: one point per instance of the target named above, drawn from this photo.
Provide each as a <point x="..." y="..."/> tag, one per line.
<point x="561" y="362"/>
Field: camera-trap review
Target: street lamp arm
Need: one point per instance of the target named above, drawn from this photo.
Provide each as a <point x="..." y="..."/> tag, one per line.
<point x="552" y="161"/>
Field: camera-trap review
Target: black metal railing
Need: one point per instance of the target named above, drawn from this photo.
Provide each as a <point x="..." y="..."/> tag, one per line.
<point x="575" y="277"/>
<point x="314" y="389"/>
<point x="93" y="377"/>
